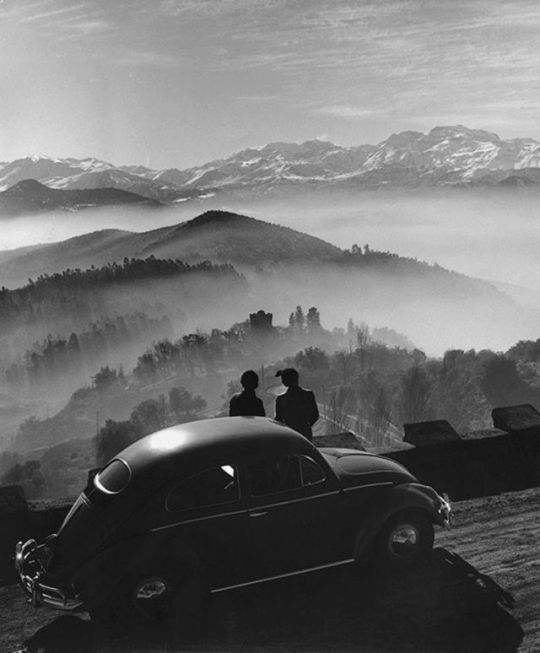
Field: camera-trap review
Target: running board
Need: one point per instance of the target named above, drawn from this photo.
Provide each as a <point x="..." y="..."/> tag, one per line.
<point x="288" y="575"/>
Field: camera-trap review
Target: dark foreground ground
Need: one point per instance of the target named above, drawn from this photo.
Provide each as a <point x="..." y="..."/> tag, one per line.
<point x="480" y="592"/>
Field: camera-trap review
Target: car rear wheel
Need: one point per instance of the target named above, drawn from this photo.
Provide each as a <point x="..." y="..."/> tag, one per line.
<point x="155" y="595"/>
<point x="170" y="596"/>
<point x="405" y="540"/>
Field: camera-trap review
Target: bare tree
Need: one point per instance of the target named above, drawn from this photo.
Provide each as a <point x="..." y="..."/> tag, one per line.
<point x="337" y="409"/>
<point x="415" y="399"/>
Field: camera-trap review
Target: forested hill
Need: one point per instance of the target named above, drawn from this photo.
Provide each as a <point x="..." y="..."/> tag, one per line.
<point x="218" y="236"/>
<point x="241" y="240"/>
<point x="84" y="293"/>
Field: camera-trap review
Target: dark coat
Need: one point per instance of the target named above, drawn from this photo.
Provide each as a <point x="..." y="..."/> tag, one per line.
<point x="297" y="408"/>
<point x="246" y="404"/>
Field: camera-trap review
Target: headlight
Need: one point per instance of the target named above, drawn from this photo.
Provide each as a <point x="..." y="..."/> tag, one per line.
<point x="445" y="509"/>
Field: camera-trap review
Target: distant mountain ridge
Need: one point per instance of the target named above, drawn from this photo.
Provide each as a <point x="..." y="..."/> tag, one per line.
<point x="446" y="156"/>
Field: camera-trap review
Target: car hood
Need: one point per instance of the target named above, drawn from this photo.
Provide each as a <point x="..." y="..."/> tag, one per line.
<point x="356" y="468"/>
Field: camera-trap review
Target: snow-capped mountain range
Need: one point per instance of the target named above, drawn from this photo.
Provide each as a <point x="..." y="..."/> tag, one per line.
<point x="446" y="156"/>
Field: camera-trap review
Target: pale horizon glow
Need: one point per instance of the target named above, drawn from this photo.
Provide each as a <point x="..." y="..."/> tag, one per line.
<point x="177" y="83"/>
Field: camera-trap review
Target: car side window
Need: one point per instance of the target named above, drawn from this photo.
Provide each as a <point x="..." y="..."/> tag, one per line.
<point x="210" y="487"/>
<point x="311" y="472"/>
<point x="273" y="475"/>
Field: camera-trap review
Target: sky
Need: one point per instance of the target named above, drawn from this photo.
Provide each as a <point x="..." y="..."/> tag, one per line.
<point x="176" y="83"/>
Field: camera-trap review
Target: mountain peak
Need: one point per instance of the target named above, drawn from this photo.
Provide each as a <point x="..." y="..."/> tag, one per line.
<point x="217" y="217"/>
<point x="403" y="139"/>
<point x="306" y="148"/>
<point x="29" y="187"/>
<point x="460" y="131"/>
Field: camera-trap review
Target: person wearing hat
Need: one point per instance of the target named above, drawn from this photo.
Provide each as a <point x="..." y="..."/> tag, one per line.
<point x="297" y="407"/>
<point x="247" y="403"/>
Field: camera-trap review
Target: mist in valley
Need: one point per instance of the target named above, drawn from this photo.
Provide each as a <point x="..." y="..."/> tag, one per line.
<point x="491" y="234"/>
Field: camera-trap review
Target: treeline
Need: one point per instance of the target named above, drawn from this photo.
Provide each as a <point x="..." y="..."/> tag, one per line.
<point x="67" y="355"/>
<point x="148" y="416"/>
<point x="388" y="261"/>
<point x="203" y="353"/>
<point x="75" y="291"/>
<point x="374" y="389"/>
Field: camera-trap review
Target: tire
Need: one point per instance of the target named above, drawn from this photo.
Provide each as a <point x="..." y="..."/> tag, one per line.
<point x="405" y="540"/>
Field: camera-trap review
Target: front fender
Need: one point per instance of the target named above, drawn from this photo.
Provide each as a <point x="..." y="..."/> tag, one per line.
<point x="399" y="498"/>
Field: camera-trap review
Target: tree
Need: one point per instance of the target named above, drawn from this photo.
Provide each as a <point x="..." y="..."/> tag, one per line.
<point x="146" y="368"/>
<point x="147" y="415"/>
<point x="312" y="359"/>
<point x="502" y="385"/>
<point x="379" y="417"/>
<point x="105" y="378"/>
<point x="313" y="320"/>
<point x="178" y="400"/>
<point x="114" y="437"/>
<point x="299" y="318"/>
<point x="28" y="475"/>
<point x="415" y="395"/>
<point x="337" y="408"/>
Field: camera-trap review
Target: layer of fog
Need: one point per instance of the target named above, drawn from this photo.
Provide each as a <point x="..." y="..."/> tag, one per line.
<point x="489" y="234"/>
<point x="492" y="235"/>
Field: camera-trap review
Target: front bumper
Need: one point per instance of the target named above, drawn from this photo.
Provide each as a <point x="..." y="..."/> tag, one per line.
<point x="31" y="575"/>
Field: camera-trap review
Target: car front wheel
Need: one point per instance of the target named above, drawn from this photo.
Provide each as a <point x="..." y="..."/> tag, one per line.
<point x="404" y="540"/>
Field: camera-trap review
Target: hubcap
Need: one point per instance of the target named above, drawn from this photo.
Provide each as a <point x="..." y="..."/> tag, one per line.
<point x="150" y="588"/>
<point x="404" y="540"/>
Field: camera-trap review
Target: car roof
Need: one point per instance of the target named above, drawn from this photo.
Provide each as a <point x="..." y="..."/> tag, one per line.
<point x="209" y="437"/>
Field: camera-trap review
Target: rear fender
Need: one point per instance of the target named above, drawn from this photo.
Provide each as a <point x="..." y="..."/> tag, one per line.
<point x="102" y="575"/>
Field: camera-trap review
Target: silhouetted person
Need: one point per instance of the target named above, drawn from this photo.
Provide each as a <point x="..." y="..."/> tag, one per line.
<point x="246" y="402"/>
<point x="297" y="407"/>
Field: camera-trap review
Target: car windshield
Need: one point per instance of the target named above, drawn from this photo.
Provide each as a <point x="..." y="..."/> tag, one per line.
<point x="113" y="478"/>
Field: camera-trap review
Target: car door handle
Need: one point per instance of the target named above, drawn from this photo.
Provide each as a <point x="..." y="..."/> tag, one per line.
<point x="258" y="514"/>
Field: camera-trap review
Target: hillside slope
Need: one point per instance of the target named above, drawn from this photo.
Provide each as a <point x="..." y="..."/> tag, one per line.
<point x="436" y="308"/>
<point x="218" y="236"/>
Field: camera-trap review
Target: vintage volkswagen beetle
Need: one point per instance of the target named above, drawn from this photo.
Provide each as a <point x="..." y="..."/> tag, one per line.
<point x="220" y="503"/>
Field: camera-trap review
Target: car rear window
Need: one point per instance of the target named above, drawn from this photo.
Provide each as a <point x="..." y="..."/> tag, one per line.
<point x="113" y="478"/>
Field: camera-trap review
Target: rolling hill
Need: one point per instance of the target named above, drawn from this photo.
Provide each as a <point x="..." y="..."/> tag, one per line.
<point x="30" y="196"/>
<point x="437" y="308"/>
<point x="218" y="236"/>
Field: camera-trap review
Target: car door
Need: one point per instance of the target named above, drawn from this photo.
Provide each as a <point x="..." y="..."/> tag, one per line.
<point x="293" y="506"/>
<point x="206" y="512"/>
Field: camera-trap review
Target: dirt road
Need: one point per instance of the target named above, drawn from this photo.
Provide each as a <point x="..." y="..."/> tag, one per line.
<point x="480" y="592"/>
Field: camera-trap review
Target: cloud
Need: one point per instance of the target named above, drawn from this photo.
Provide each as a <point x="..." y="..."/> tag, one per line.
<point x="259" y="99"/>
<point x="55" y="14"/>
<point x="346" y="112"/>
<point x="145" y="59"/>
<point x="213" y="8"/>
